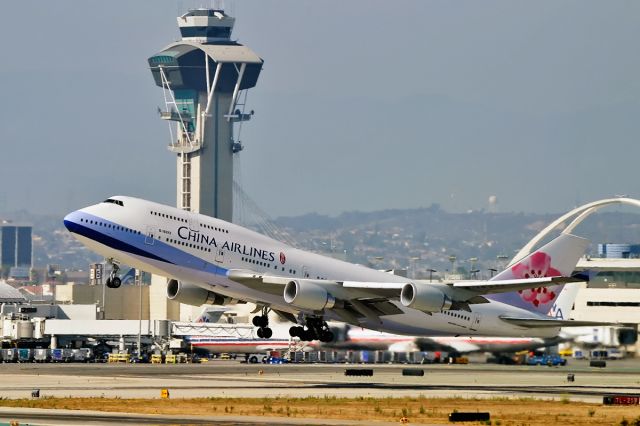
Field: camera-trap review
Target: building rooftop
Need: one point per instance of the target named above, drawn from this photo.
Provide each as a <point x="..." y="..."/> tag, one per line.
<point x="9" y="294"/>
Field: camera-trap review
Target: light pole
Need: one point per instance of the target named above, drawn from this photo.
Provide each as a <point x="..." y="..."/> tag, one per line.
<point x="431" y="271"/>
<point x="492" y="271"/>
<point x="138" y="277"/>
<point x="413" y="261"/>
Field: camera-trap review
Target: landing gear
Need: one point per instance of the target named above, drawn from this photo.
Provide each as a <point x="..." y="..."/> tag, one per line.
<point x="262" y="322"/>
<point x="113" y="281"/>
<point x="315" y="329"/>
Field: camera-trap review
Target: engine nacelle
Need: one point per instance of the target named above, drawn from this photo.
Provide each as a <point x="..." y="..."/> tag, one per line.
<point x="425" y="298"/>
<point x="191" y="294"/>
<point x="307" y="295"/>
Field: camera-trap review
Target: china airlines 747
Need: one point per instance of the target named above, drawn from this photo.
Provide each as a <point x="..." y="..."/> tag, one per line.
<point x="208" y="260"/>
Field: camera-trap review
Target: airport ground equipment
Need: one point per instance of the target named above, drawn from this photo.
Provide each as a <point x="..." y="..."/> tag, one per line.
<point x="358" y="372"/>
<point x="61" y="355"/>
<point x="42" y="355"/>
<point x="205" y="77"/>
<point x="25" y="355"/>
<point x="9" y="355"/>
<point x="473" y="416"/>
<point x="119" y="357"/>
<point x="413" y="372"/>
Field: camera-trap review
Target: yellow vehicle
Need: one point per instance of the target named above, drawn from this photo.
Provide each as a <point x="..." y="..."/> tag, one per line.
<point x="458" y="360"/>
<point x="568" y="352"/>
<point x="119" y="357"/>
<point x="224" y="356"/>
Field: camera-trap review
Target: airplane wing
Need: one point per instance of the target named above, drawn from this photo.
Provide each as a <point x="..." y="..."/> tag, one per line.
<point x="434" y="344"/>
<point x="353" y="300"/>
<point x="356" y="300"/>
<point x="552" y="322"/>
<point x="275" y="284"/>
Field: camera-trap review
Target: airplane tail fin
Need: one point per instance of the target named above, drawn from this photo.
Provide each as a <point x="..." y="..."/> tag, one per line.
<point x="564" y="303"/>
<point x="555" y="259"/>
<point x="211" y="314"/>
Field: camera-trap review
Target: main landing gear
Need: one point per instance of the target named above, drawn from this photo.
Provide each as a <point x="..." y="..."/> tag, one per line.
<point x="113" y="281"/>
<point x="262" y="322"/>
<point x="315" y="329"/>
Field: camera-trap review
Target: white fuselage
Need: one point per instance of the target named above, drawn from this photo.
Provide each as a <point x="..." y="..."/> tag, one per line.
<point x="199" y="249"/>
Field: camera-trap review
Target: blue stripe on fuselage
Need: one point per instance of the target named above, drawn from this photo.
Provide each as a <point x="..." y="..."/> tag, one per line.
<point x="109" y="241"/>
<point x="131" y="242"/>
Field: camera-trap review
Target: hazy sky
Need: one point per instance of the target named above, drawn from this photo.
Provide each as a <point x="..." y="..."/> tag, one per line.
<point x="362" y="105"/>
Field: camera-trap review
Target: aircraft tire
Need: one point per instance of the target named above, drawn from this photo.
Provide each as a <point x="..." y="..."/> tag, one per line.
<point x="260" y="333"/>
<point x="260" y="321"/>
<point x="307" y="335"/>
<point x="267" y="332"/>
<point x="326" y="336"/>
<point x="297" y="331"/>
<point x="115" y="282"/>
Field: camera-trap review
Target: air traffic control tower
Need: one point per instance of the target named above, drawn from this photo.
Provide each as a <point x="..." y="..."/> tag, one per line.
<point x="203" y="77"/>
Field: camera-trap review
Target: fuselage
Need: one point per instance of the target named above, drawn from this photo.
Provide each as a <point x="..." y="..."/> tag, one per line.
<point x="363" y="339"/>
<point x="199" y="249"/>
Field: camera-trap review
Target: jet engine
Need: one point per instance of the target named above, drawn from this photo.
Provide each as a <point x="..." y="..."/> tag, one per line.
<point x="192" y="294"/>
<point x="308" y="295"/>
<point x="425" y="298"/>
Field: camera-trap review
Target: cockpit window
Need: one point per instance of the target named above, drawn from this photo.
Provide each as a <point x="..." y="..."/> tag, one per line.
<point x="111" y="200"/>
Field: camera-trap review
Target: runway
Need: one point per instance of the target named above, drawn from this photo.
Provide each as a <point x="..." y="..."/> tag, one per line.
<point x="233" y="379"/>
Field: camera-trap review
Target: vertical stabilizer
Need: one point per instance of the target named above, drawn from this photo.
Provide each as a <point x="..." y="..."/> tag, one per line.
<point x="557" y="258"/>
<point x="564" y="303"/>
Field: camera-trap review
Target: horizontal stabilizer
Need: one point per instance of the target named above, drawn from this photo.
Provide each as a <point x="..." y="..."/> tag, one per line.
<point x="505" y="286"/>
<point x="552" y="322"/>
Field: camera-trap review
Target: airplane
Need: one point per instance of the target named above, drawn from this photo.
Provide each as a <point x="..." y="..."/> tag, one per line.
<point x="208" y="260"/>
<point x="241" y="339"/>
<point x="360" y="339"/>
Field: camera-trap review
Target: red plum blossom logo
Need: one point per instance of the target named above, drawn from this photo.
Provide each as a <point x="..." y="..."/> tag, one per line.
<point x="537" y="266"/>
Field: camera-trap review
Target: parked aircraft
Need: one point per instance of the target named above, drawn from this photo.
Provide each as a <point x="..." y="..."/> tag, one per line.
<point x="212" y="261"/>
<point x="362" y="339"/>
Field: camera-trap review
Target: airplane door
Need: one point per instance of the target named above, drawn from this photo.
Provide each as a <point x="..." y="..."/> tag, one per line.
<point x="149" y="235"/>
<point x="305" y="272"/>
<point x="219" y="256"/>
<point x="194" y="223"/>
<point x="475" y="321"/>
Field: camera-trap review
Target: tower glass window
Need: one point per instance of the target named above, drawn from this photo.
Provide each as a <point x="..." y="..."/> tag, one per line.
<point x="24" y="248"/>
<point x="8" y="246"/>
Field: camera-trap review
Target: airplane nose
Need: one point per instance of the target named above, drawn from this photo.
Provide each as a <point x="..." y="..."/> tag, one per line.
<point x="69" y="222"/>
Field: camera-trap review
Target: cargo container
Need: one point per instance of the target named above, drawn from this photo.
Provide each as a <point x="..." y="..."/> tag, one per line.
<point x="82" y="355"/>
<point x="9" y="355"/>
<point x="61" y="355"/>
<point x="25" y="355"/>
<point x="41" y="355"/>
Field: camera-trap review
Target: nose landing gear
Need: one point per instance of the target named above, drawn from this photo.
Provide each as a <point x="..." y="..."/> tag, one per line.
<point x="315" y="329"/>
<point x="113" y="281"/>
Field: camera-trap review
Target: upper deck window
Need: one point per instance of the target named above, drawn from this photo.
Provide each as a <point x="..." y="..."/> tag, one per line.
<point x="112" y="201"/>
